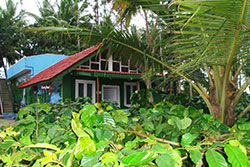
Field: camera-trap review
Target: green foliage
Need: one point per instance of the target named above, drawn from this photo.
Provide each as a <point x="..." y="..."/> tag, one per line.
<point x="187" y="101"/>
<point x="215" y="159"/>
<point x="236" y="156"/>
<point x="11" y="35"/>
<point x="138" y="158"/>
<point x="102" y="135"/>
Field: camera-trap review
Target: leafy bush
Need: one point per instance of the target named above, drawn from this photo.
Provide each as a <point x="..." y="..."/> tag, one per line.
<point x="102" y="135"/>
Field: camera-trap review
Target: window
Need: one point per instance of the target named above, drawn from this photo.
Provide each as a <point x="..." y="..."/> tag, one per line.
<point x="104" y="65"/>
<point x="129" y="89"/>
<point x="94" y="66"/>
<point x="85" y="88"/>
<point x="124" y="69"/>
<point x="116" y="66"/>
<point x="111" y="93"/>
<point x="109" y="63"/>
<point x="95" y="59"/>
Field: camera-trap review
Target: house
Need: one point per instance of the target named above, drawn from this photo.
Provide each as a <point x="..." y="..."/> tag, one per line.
<point x="90" y="73"/>
<point x="24" y="70"/>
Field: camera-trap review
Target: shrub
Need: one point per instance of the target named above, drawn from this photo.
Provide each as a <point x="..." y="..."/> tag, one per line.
<point x="103" y="135"/>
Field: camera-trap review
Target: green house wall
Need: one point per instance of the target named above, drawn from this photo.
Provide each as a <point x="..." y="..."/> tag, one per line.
<point x="68" y="90"/>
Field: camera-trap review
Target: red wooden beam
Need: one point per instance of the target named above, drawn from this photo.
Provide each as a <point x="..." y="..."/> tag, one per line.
<point x="97" y="89"/>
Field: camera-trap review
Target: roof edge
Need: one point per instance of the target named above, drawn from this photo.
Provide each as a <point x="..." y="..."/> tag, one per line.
<point x="32" y="80"/>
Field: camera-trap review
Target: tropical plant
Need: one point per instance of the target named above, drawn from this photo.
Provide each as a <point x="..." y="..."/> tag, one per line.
<point x="102" y="135"/>
<point x="215" y="39"/>
<point x="196" y="35"/>
<point x="204" y="30"/>
<point x="10" y="36"/>
<point x="208" y="36"/>
<point x="65" y="13"/>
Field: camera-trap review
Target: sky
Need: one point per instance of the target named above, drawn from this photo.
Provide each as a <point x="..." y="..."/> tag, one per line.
<point x="32" y="7"/>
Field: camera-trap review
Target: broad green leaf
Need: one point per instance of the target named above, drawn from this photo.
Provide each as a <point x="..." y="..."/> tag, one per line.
<point x="6" y="159"/>
<point x="49" y="154"/>
<point x="88" y="115"/>
<point x="177" y="109"/>
<point x="69" y="160"/>
<point x="52" y="132"/>
<point x="76" y="115"/>
<point x="103" y="134"/>
<point x="195" y="156"/>
<point x="77" y="128"/>
<point x="161" y="127"/>
<point x="215" y="159"/>
<point x="236" y="157"/>
<point x="90" y="160"/>
<point x="243" y="149"/>
<point x="98" y="105"/>
<point x="109" y="107"/>
<point x="89" y="132"/>
<point x="3" y="134"/>
<point x="44" y="145"/>
<point x="175" y="121"/>
<point x="108" y="120"/>
<point x="138" y="158"/>
<point x="100" y="112"/>
<point x="84" y="146"/>
<point x="25" y="140"/>
<point x="176" y="157"/>
<point x="132" y="144"/>
<point x="165" y="160"/>
<point x="46" y="160"/>
<point x="148" y="125"/>
<point x="17" y="156"/>
<point x="6" y="144"/>
<point x="208" y="117"/>
<point x="109" y="157"/>
<point x="44" y="107"/>
<point x="11" y="132"/>
<point x="187" y="139"/>
<point x="245" y="126"/>
<point x="40" y="107"/>
<point x="120" y="116"/>
<point x="102" y="144"/>
<point x="24" y="111"/>
<point x="185" y="123"/>
<point x="234" y="143"/>
<point x="161" y="148"/>
<point x="29" y="119"/>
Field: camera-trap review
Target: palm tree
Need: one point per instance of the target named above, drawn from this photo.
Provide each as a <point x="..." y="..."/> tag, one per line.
<point x="210" y="36"/>
<point x="214" y="36"/>
<point x="130" y="8"/>
<point x="65" y="13"/>
<point x="10" y="35"/>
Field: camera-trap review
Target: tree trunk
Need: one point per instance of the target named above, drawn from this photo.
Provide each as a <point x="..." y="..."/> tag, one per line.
<point x="149" y="87"/>
<point x="230" y="116"/>
<point x="214" y="102"/>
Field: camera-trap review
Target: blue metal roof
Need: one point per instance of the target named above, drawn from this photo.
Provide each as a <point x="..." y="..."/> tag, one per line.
<point x="33" y="64"/>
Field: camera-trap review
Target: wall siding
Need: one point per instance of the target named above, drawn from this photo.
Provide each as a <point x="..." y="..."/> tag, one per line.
<point x="69" y="82"/>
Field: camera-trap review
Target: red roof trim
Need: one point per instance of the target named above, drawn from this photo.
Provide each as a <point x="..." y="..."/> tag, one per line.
<point x="59" y="67"/>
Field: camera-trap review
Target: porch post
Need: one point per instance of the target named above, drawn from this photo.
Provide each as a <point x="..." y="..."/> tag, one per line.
<point x="97" y="89"/>
<point x="137" y="85"/>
